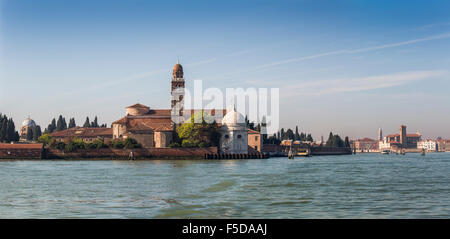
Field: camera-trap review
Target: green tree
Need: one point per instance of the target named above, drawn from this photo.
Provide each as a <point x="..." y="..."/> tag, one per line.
<point x="37" y="133"/>
<point x="52" y="126"/>
<point x="297" y="135"/>
<point x="330" y="141"/>
<point x="61" y="123"/>
<point x="46" y="139"/>
<point x="192" y="134"/>
<point x="72" y="123"/>
<point x="3" y="128"/>
<point x="87" y="124"/>
<point x="131" y="143"/>
<point x="347" y="142"/>
<point x="30" y="133"/>
<point x="289" y="134"/>
<point x="309" y="138"/>
<point x="94" y="124"/>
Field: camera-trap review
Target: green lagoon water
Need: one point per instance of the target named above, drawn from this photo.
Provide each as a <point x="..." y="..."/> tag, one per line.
<point x="356" y="186"/>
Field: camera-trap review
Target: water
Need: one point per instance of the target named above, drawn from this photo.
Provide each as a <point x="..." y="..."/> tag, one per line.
<point x="356" y="186"/>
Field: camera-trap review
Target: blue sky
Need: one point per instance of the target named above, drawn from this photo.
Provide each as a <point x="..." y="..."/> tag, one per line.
<point x="344" y="66"/>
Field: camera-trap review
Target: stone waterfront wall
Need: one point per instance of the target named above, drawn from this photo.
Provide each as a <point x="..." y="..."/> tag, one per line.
<point x="330" y="151"/>
<point x="124" y="153"/>
<point x="20" y="153"/>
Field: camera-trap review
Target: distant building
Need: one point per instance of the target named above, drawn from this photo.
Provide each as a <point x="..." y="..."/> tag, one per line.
<point x="254" y="140"/>
<point x="28" y="123"/>
<point x="365" y="144"/>
<point x="400" y="140"/>
<point x="234" y="133"/>
<point x="380" y="134"/>
<point x="428" y="145"/>
<point x="88" y="135"/>
<point x="151" y="128"/>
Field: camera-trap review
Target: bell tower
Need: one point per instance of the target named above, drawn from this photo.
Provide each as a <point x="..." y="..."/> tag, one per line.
<point x="177" y="93"/>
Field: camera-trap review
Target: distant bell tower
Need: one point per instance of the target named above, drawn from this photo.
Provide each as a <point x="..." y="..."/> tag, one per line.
<point x="403" y="136"/>
<point x="177" y="92"/>
<point x="380" y="134"/>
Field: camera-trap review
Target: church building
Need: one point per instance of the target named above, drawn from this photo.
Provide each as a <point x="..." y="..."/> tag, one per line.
<point x="157" y="127"/>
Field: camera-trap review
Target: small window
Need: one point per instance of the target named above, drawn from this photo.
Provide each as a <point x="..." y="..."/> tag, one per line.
<point x="239" y="136"/>
<point x="256" y="137"/>
<point x="227" y="136"/>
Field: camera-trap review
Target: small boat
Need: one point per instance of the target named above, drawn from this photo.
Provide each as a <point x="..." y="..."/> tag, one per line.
<point x="303" y="153"/>
<point x="423" y="152"/>
<point x="290" y="154"/>
<point x="385" y="151"/>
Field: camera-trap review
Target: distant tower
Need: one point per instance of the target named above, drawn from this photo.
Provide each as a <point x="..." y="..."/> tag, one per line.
<point x="403" y="140"/>
<point x="177" y="92"/>
<point x="380" y="134"/>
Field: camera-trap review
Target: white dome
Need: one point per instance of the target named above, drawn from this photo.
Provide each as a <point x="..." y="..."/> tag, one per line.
<point x="28" y="122"/>
<point x="233" y="118"/>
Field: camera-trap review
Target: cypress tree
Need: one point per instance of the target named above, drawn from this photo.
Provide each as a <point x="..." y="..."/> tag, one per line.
<point x="95" y="123"/>
<point x="72" y="123"/>
<point x="86" y="123"/>
<point x="3" y="128"/>
<point x="330" y="140"/>
<point x="52" y="126"/>
<point x="30" y="133"/>
<point x="347" y="142"/>
<point x="59" y="124"/>
<point x="64" y="124"/>
<point x="297" y="136"/>
<point x="37" y="133"/>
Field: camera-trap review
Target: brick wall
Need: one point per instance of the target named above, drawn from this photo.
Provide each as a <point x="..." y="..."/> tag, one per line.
<point x="20" y="153"/>
<point x="138" y="153"/>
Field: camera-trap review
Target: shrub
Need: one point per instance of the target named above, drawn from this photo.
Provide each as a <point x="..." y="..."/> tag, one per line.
<point x="91" y="146"/>
<point x="189" y="143"/>
<point x="203" y="144"/>
<point x="131" y="143"/>
<point x="100" y="143"/>
<point x="60" y="145"/>
<point x="174" y="145"/>
<point x="75" y="144"/>
<point x="117" y="144"/>
<point x="46" y="139"/>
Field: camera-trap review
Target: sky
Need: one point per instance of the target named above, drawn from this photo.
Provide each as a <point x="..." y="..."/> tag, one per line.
<point x="345" y="66"/>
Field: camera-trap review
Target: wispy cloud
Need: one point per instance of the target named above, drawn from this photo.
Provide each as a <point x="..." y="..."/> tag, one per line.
<point x="354" y="51"/>
<point x="324" y="87"/>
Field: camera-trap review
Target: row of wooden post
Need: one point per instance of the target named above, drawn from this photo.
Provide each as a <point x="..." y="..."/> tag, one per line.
<point x="236" y="156"/>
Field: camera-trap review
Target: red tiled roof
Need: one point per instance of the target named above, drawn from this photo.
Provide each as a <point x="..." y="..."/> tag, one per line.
<point x="83" y="132"/>
<point x="366" y="139"/>
<point x="407" y="135"/>
<point x="136" y="123"/>
<point x="21" y="146"/>
<point x="138" y="106"/>
<point x="250" y="131"/>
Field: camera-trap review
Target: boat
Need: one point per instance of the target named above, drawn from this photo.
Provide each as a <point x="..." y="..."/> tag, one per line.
<point x="303" y="153"/>
<point x="423" y="152"/>
<point x="290" y="154"/>
<point x="387" y="151"/>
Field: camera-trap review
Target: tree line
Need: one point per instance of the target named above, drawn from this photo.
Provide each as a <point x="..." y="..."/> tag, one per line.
<point x="8" y="131"/>
<point x="336" y="141"/>
<point x="61" y="124"/>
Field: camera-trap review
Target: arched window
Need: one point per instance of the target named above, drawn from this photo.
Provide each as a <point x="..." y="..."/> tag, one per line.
<point x="227" y="136"/>
<point x="239" y="136"/>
